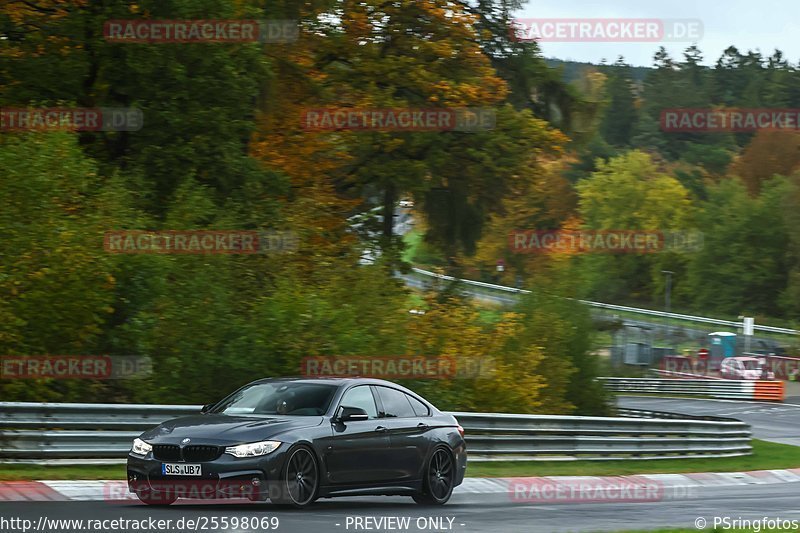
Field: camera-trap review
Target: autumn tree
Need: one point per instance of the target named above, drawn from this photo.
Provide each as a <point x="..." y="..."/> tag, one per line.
<point x="770" y="153"/>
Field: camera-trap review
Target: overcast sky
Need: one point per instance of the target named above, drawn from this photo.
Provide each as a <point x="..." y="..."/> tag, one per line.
<point x="747" y="24"/>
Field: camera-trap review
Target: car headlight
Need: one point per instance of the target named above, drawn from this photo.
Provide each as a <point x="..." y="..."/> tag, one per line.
<point x="253" y="449"/>
<point x="140" y="447"/>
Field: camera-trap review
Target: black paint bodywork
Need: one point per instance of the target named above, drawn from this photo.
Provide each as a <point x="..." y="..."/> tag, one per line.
<point x="383" y="456"/>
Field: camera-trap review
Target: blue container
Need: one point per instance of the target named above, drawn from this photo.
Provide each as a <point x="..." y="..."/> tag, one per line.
<point x="722" y="344"/>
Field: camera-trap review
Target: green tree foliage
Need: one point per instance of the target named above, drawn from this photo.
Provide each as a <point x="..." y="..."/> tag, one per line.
<point x="620" y="117"/>
<point x="562" y="327"/>
<point x="197" y="99"/>
<point x="56" y="282"/>
<point x="630" y="193"/>
<point x="789" y="299"/>
<point x="221" y="148"/>
<point x="742" y="266"/>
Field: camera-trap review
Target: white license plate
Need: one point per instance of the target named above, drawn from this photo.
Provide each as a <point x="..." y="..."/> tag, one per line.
<point x="180" y="469"/>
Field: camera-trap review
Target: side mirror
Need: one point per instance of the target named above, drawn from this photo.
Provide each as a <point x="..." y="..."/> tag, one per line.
<point x="347" y="414"/>
<point x="206" y="408"/>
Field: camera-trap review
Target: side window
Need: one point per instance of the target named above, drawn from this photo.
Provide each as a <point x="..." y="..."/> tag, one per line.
<point x="395" y="403"/>
<point x="361" y="397"/>
<point x="420" y="409"/>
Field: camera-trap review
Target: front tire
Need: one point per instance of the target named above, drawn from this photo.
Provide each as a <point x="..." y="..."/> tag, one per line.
<point x="299" y="482"/>
<point x="439" y="480"/>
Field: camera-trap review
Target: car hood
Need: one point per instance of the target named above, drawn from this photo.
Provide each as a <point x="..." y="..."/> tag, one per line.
<point x="225" y="430"/>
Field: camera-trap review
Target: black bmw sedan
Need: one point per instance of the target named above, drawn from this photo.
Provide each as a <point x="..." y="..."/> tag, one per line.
<point x="295" y="440"/>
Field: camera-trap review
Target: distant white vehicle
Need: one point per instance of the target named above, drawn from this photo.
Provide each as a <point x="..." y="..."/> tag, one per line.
<point x="406" y="203"/>
<point x="748" y="368"/>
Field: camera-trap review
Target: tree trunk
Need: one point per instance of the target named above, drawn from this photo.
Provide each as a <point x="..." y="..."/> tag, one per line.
<point x="389" y="199"/>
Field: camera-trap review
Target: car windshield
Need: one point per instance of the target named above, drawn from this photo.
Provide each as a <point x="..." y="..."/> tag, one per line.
<point x="291" y="399"/>
<point x="751" y="365"/>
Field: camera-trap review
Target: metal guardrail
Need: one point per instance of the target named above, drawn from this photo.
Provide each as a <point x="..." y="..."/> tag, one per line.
<point x="502" y="437"/>
<point x="656" y="372"/>
<point x="711" y="388"/>
<point x="42" y="431"/>
<point x="600" y="305"/>
<point x="77" y="430"/>
<point x="646" y="413"/>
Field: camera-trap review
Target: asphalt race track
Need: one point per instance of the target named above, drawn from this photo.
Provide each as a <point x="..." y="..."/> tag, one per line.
<point x="774" y="422"/>
<point x="469" y="513"/>
<point x="466" y="512"/>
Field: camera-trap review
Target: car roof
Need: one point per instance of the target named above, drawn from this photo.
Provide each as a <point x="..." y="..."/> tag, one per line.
<point x="332" y="380"/>
<point x="343" y="382"/>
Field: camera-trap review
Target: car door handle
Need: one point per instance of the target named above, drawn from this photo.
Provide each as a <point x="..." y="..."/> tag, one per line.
<point x="380" y="429"/>
<point x="422" y="426"/>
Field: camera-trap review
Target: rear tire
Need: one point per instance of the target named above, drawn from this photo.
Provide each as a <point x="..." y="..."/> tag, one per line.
<point x="299" y="482"/>
<point x="439" y="480"/>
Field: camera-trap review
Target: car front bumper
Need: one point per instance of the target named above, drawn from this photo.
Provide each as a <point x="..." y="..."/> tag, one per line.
<point x="225" y="477"/>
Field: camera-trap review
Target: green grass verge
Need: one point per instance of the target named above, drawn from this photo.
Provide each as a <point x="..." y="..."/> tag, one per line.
<point x="418" y="252"/>
<point x="489" y="315"/>
<point x="20" y="472"/>
<point x="694" y="530"/>
<point x="766" y="455"/>
<point x="412" y="240"/>
<point x="415" y="301"/>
